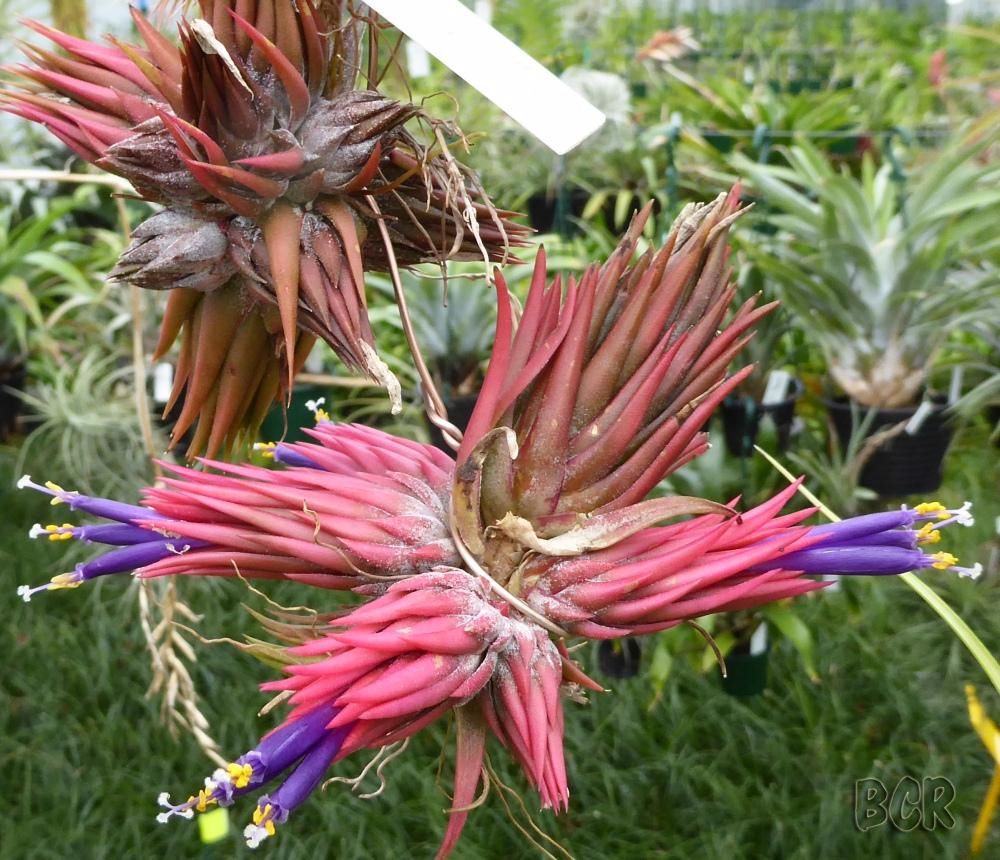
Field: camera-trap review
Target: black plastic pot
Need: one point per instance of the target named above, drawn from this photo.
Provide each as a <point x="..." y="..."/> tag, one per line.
<point x="720" y="141"/>
<point x="619" y="658"/>
<point x="906" y="465"/>
<point x="741" y="417"/>
<point x="11" y="381"/>
<point x="544" y="215"/>
<point x="746" y="673"/>
<point x="459" y="413"/>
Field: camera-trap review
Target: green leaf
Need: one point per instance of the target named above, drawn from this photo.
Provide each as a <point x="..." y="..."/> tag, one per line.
<point x="795" y="630"/>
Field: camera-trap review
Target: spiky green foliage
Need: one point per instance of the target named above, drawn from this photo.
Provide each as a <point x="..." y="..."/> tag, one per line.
<point x="879" y="270"/>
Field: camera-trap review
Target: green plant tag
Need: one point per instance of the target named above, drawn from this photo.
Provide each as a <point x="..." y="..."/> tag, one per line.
<point x="213" y="826"/>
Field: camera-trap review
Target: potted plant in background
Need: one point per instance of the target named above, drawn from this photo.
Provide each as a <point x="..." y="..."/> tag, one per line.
<point x="878" y="269"/>
<point x="771" y="391"/>
<point x="49" y="269"/>
<point x="981" y="361"/>
<point x="453" y="321"/>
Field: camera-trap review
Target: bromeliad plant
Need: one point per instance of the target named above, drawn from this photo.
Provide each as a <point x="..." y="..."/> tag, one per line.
<point x="879" y="273"/>
<point x="282" y="182"/>
<point x="475" y="573"/>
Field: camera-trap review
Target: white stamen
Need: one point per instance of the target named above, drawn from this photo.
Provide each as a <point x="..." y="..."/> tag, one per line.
<point x="172" y="548"/>
<point x="973" y="572"/>
<point x="25" y="592"/>
<point x="37" y="531"/>
<point x="315" y="405"/>
<point x="163" y="799"/>
<point x="254" y="835"/>
<point x="24" y="481"/>
<point x="963" y="516"/>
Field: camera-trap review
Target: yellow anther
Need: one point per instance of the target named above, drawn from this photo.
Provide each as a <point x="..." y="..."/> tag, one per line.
<point x="321" y="415"/>
<point x="932" y="508"/>
<point x="64" y="580"/>
<point x="205" y="800"/>
<point x="265" y="449"/>
<point x="55" y="532"/>
<point x="55" y="489"/>
<point x="240" y="774"/>
<point x="261" y="819"/>
<point x="944" y="560"/>
<point x="928" y="534"/>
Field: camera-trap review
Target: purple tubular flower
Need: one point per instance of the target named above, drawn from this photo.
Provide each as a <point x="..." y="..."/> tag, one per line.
<point x="112" y="534"/>
<point x="105" y="508"/>
<point x="275" y="808"/>
<point x="128" y="558"/>
<point x="856" y="560"/>
<point x="121" y="560"/>
<point x="883" y="544"/>
<point x="277" y="751"/>
<point x="291" y="741"/>
<point x="290" y="457"/>
<point x="847" y="530"/>
<point x="905" y="539"/>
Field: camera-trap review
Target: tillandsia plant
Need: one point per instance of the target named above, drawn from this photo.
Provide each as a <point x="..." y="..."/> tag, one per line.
<point x="475" y="574"/>
<point x="282" y="182"/>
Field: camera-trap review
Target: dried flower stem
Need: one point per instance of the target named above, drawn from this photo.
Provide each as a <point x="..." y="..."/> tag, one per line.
<point x="494" y="586"/>
<point x="433" y="403"/>
<point x="871" y="447"/>
<point x="31" y="175"/>
<point x="171" y="678"/>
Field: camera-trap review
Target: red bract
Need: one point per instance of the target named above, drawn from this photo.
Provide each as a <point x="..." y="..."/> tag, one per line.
<point x="601" y="392"/>
<point x="269" y="162"/>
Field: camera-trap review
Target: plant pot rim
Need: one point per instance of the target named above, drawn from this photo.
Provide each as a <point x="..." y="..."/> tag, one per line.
<point x="939" y="403"/>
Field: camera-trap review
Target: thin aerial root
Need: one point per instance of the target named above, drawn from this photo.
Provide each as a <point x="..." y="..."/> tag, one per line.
<point x="222" y="640"/>
<point x="479" y="801"/>
<point x="281" y="698"/>
<point x="305" y="610"/>
<point x="385" y="755"/>
<point x="720" y="659"/>
<point x="500" y="784"/>
<point x="317" y="528"/>
<point x="400" y="749"/>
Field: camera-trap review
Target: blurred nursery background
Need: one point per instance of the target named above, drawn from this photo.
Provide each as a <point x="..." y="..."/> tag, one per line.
<point x="867" y="137"/>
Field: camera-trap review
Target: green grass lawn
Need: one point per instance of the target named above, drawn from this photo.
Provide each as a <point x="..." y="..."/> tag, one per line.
<point x="701" y="775"/>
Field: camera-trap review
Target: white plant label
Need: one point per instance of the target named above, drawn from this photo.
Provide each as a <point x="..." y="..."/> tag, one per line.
<point x="776" y="391"/>
<point x="520" y="86"/>
<point x="955" y="388"/>
<point x="163" y="382"/>
<point x="919" y="417"/>
<point x="484" y="9"/>
<point x="758" y="642"/>
<point x="418" y="61"/>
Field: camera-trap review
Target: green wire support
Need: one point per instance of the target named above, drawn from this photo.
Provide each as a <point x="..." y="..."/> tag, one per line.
<point x="762" y="141"/>
<point x="560" y="221"/>
<point x="898" y="175"/>
<point x="672" y="174"/>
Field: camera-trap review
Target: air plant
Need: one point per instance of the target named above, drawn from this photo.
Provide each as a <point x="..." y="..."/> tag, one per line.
<point x="474" y="574"/>
<point x="282" y="182"/>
